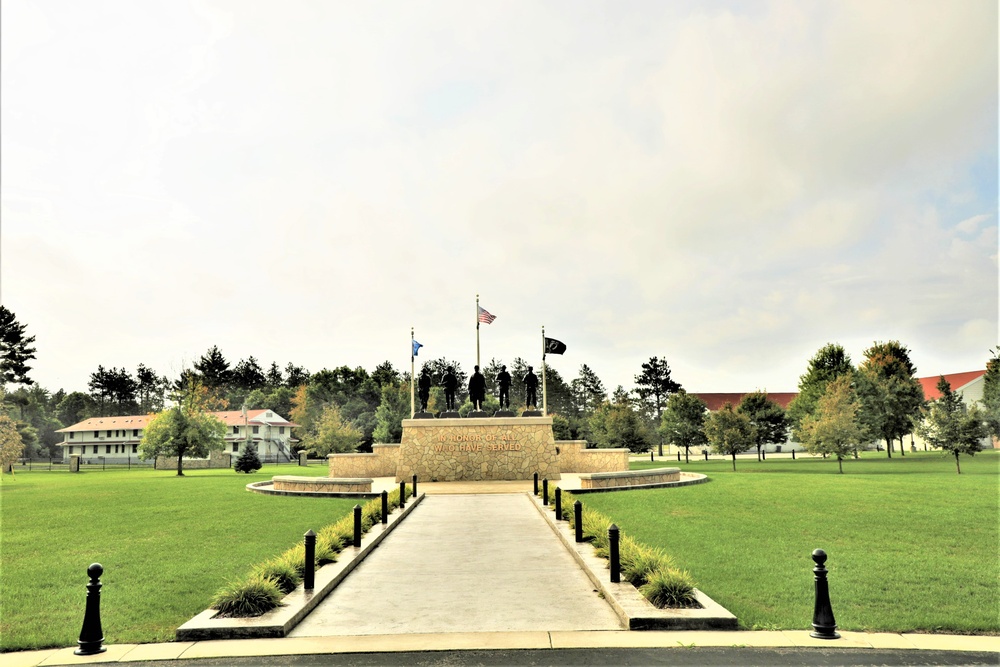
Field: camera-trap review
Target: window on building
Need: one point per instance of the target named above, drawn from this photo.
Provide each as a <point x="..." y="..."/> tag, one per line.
<point x="281" y="430"/>
<point x="135" y="433"/>
<point x="71" y="434"/>
<point x="135" y="449"/>
<point x="109" y="432"/>
<point x="95" y="449"/>
<point x="236" y="429"/>
<point x="236" y="446"/>
<point x="97" y="434"/>
<point x="71" y="449"/>
<point x="107" y="449"/>
<point x="256" y="429"/>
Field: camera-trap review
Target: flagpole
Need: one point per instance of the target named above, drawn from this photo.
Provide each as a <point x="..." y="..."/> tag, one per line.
<point x="545" y="408"/>
<point x="477" y="329"/>
<point x="412" y="378"/>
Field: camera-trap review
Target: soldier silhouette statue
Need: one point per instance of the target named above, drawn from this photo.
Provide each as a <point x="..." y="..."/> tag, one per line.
<point x="531" y="388"/>
<point x="477" y="390"/>
<point x="503" y="382"/>
<point x="450" y="385"/>
<point x="424" y="389"/>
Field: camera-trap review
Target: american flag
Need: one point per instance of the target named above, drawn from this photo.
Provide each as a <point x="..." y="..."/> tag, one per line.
<point x="484" y="315"/>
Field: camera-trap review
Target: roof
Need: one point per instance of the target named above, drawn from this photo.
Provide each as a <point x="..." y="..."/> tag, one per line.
<point x="956" y="380"/>
<point x="228" y="417"/>
<point x="715" y="400"/>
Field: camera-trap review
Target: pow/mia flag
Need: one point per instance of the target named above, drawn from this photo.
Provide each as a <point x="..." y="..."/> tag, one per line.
<point x="553" y="346"/>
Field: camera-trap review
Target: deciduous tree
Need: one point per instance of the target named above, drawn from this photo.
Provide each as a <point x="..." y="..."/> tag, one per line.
<point x="829" y="363"/>
<point x="951" y="426"/>
<point x="11" y="445"/>
<point x="767" y="416"/>
<point x="729" y="432"/>
<point x="187" y="429"/>
<point x="619" y="425"/>
<point x="991" y="393"/>
<point x="834" y="427"/>
<point x="683" y="422"/>
<point x="889" y="394"/>
<point x="333" y="434"/>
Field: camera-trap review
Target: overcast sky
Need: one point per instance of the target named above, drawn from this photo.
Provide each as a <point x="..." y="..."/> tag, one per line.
<point x="725" y="185"/>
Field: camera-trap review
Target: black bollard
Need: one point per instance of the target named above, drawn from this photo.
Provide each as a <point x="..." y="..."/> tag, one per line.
<point x="824" y="624"/>
<point x="558" y="504"/>
<point x="91" y="635"/>
<point x="545" y="491"/>
<point x="678" y="457"/>
<point x="578" y="520"/>
<point x="613" y="557"/>
<point x="536" y="483"/>
<point x="705" y="452"/>
<point x="402" y="495"/>
<point x="651" y="456"/>
<point x="309" y="576"/>
<point x="793" y="454"/>
<point x="414" y="486"/>
<point x="357" y="525"/>
<point x="763" y="455"/>
<point x="385" y="507"/>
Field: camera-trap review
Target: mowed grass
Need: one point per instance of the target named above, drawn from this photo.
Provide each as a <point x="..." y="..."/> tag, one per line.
<point x="167" y="543"/>
<point x="912" y="545"/>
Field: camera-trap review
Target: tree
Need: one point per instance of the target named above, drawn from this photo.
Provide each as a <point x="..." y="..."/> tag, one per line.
<point x="273" y="377"/>
<point x="187" y="429"/>
<point x="11" y="445"/>
<point x="767" y="416"/>
<point x="295" y="376"/>
<point x="438" y="368"/>
<point x="385" y="373"/>
<point x="248" y="375"/>
<point x="619" y="425"/>
<point x="683" y="422"/>
<point x="393" y="408"/>
<point x="248" y="460"/>
<point x="890" y="395"/>
<point x="213" y="369"/>
<point x="829" y="363"/>
<point x="991" y="393"/>
<point x="15" y="350"/>
<point x="75" y="407"/>
<point x="588" y="391"/>
<point x="150" y="389"/>
<point x="730" y="433"/>
<point x="653" y="386"/>
<point x="952" y="427"/>
<point x="333" y="434"/>
<point x="834" y="427"/>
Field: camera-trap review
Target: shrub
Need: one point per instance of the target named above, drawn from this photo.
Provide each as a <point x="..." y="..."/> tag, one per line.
<point x="639" y="561"/>
<point x="669" y="587"/>
<point x="252" y="597"/>
<point x="338" y="535"/>
<point x="281" y="572"/>
<point x="248" y="461"/>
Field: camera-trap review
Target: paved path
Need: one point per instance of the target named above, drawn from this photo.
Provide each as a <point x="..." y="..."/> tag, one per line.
<point x="464" y="563"/>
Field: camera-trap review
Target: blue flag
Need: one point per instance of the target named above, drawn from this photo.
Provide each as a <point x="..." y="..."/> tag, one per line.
<point x="416" y="347"/>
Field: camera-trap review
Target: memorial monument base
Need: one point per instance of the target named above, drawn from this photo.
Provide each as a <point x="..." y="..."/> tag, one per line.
<point x="477" y="449"/>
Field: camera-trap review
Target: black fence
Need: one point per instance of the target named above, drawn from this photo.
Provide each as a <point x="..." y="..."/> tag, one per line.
<point x="98" y="463"/>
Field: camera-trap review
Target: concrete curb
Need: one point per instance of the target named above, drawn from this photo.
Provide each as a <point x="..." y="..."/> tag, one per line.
<point x="692" y="478"/>
<point x="635" y="611"/>
<point x="296" y="605"/>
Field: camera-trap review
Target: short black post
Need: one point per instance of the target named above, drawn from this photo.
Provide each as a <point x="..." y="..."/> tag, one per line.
<point x="578" y="520"/>
<point x="545" y="491"/>
<point x="357" y="525"/>
<point x="385" y="507"/>
<point x="763" y="455"/>
<point x="651" y="456"/>
<point x="536" y="484"/>
<point x="705" y="452"/>
<point x="558" y="504"/>
<point x="414" y="486"/>
<point x="824" y="624"/>
<point x="91" y="635"/>
<point x="402" y="495"/>
<point x="793" y="454"/>
<point x="678" y="457"/>
<point x="309" y="576"/>
<point x="615" y="561"/>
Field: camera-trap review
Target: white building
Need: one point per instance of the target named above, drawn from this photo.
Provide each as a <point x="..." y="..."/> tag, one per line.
<point x="116" y="439"/>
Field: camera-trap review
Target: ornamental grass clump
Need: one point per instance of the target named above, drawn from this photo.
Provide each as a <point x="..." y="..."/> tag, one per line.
<point x="669" y="587"/>
<point x="639" y="562"/>
<point x="281" y="572"/>
<point x="253" y="596"/>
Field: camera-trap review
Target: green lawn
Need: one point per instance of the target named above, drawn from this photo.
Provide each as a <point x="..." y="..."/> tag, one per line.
<point x="912" y="545"/>
<point x="167" y="543"/>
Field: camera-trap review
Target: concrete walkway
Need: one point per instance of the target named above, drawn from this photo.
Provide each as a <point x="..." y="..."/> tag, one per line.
<point x="464" y="563"/>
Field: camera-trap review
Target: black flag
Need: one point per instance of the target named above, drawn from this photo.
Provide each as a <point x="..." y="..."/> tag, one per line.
<point x="553" y="346"/>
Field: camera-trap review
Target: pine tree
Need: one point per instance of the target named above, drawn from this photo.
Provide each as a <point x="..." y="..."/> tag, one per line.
<point x="248" y="460"/>
<point x="15" y="352"/>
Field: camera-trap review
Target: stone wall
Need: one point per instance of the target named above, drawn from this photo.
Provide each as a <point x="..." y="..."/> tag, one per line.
<point x="320" y="484"/>
<point x="216" y="459"/>
<point x="607" y="480"/>
<point x="382" y="462"/>
<point x="575" y="457"/>
<point x="493" y="448"/>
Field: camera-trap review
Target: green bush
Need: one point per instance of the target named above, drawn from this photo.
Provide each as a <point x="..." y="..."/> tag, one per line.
<point x="281" y="572"/>
<point x="669" y="588"/>
<point x="248" y="461"/>
<point x="639" y="561"/>
<point x="251" y="597"/>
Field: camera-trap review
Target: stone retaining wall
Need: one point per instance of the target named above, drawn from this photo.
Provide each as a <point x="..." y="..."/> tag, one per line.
<point x="575" y="457"/>
<point x="321" y="484"/>
<point x="475" y="449"/>
<point x="382" y="462"/>
<point x="606" y="480"/>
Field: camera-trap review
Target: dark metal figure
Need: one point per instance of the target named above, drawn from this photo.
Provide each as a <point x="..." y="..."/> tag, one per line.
<point x="477" y="390"/>
<point x="450" y="385"/>
<point x="503" y="381"/>
<point x="531" y="388"/>
<point x="424" y="389"/>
